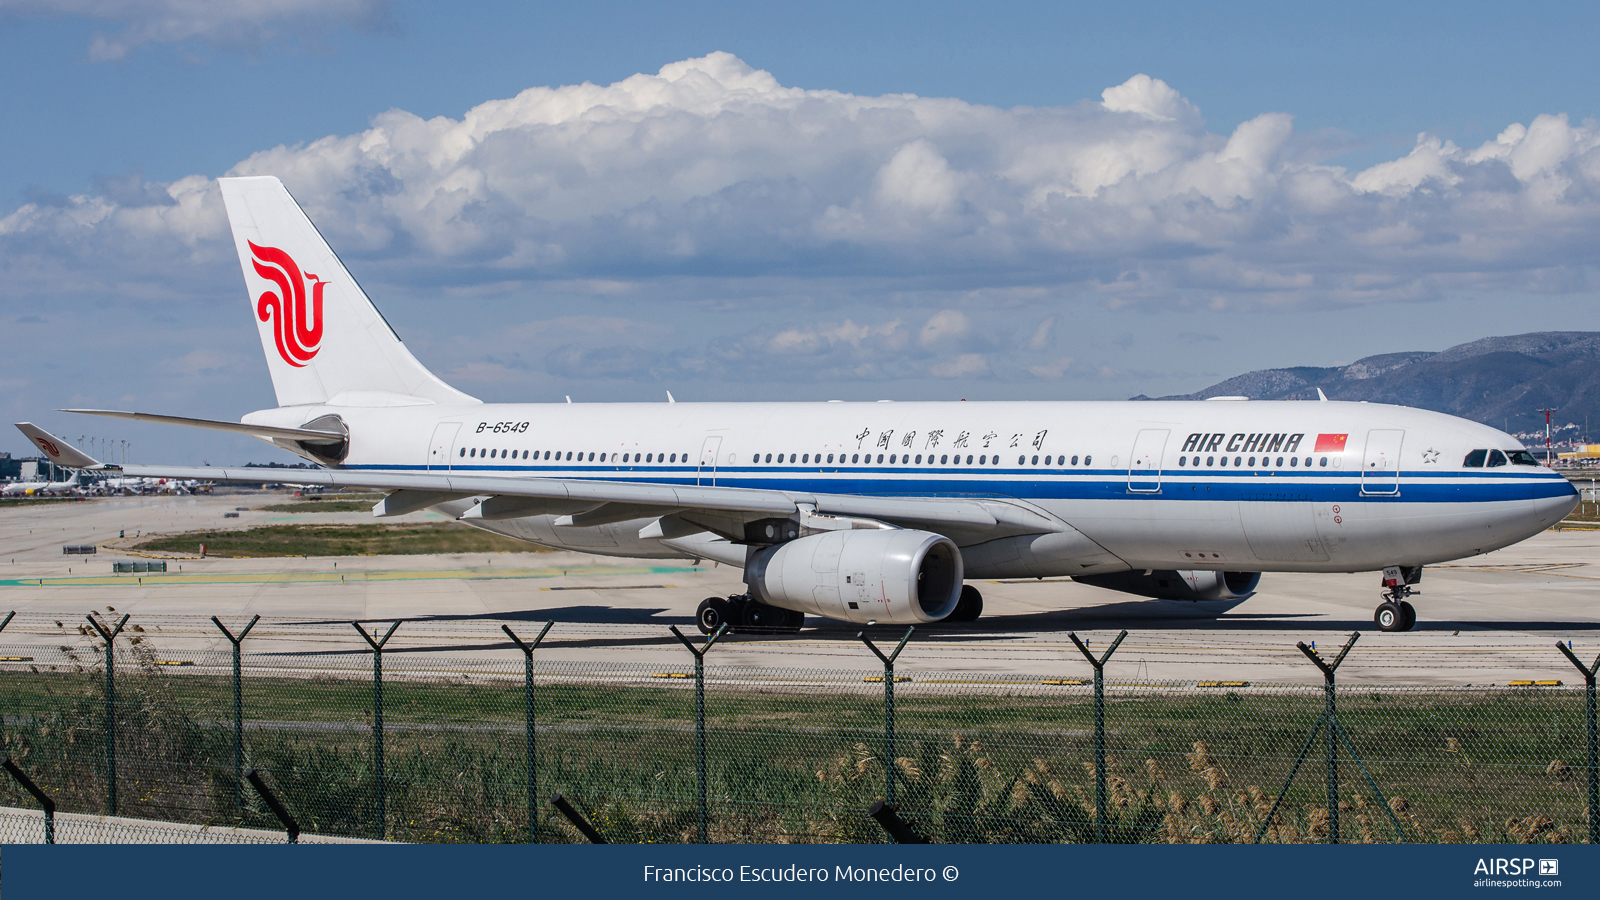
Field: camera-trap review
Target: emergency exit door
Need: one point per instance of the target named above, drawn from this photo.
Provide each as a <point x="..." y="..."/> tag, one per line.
<point x="1144" y="465"/>
<point x="707" y="473"/>
<point x="443" y="443"/>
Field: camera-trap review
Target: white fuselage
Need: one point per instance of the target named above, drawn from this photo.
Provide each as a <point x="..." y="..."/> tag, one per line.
<point x="1246" y="486"/>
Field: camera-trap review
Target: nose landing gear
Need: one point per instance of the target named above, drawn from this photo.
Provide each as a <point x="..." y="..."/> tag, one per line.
<point x="1394" y="613"/>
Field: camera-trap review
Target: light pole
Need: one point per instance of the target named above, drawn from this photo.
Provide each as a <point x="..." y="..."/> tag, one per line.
<point x="1547" y="454"/>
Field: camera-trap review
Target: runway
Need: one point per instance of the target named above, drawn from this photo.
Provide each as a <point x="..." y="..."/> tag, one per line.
<point x="1487" y="620"/>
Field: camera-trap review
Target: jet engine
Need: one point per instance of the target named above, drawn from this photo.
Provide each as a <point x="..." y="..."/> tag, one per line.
<point x="890" y="576"/>
<point x="1191" y="584"/>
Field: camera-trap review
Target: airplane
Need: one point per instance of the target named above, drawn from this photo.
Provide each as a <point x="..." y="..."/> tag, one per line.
<point x="868" y="512"/>
<point x="44" y="488"/>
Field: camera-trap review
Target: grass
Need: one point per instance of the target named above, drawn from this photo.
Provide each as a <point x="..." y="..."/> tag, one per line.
<point x="339" y="540"/>
<point x="37" y="501"/>
<point x="802" y="765"/>
<point x="326" y="503"/>
<point x="330" y="506"/>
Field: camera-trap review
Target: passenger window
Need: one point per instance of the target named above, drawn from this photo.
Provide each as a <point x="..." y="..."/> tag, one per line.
<point x="1036" y="460"/>
<point x="1496" y="458"/>
<point x="1294" y="461"/>
<point x="919" y="459"/>
<point x="805" y="458"/>
<point x="1183" y="461"/>
<point x="1022" y="460"/>
<point x="983" y="460"/>
<point x="880" y="459"/>
<point x="1210" y="460"/>
<point x="855" y="457"/>
<point x="1222" y="461"/>
<point x="1323" y="462"/>
<point x="1280" y="461"/>
<point x="463" y="451"/>
<point x="1088" y="460"/>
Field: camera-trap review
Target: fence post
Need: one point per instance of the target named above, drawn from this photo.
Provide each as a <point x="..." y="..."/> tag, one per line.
<point x="899" y="830"/>
<point x="577" y="820"/>
<point x="1594" y="740"/>
<point x="888" y="708"/>
<point x="238" y="711"/>
<point x="28" y="785"/>
<point x="289" y="824"/>
<point x="1099" y="728"/>
<point x="1331" y="716"/>
<point x="527" y="700"/>
<point x="700" y="712"/>
<point x="111" y="709"/>
<point x="377" y="718"/>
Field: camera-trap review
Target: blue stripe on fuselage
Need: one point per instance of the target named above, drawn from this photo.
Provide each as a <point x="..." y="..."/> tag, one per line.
<point x="1079" y="484"/>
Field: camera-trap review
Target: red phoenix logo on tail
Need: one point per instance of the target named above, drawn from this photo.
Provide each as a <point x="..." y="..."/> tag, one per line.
<point x="296" y="321"/>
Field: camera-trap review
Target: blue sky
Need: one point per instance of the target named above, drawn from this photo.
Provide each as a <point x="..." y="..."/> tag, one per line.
<point x="1057" y="228"/>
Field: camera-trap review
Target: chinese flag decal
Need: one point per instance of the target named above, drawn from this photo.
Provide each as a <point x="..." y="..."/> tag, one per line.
<point x="1330" y="443"/>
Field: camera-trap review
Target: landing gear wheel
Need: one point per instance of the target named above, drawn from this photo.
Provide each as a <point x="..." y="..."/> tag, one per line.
<point x="1391" y="616"/>
<point x="713" y="613"/>
<point x="969" y="607"/>
<point x="797" y="620"/>
<point x="1409" y="613"/>
<point x="759" y="617"/>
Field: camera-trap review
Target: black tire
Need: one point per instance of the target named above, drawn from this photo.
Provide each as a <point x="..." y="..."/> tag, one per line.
<point x="969" y="607"/>
<point x="713" y="613"/>
<point x="797" y="620"/>
<point x="761" y="618"/>
<point x="1389" y="617"/>
<point x="1409" y="613"/>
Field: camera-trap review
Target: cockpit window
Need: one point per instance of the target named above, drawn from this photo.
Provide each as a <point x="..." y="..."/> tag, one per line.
<point x="1522" y="458"/>
<point x="1496" y="458"/>
<point x="1475" y="459"/>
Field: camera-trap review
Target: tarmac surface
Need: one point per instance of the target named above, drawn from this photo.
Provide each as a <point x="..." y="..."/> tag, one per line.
<point x="1487" y="620"/>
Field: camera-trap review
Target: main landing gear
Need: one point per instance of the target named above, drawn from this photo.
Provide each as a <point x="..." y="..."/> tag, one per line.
<point x="1394" y="613"/>
<point x="746" y="615"/>
<point x="969" y="607"/>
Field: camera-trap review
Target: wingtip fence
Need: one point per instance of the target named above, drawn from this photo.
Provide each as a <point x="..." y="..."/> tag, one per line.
<point x="784" y="755"/>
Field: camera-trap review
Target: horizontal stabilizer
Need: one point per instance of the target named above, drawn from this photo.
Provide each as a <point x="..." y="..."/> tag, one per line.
<point x="261" y="431"/>
<point x="58" y="450"/>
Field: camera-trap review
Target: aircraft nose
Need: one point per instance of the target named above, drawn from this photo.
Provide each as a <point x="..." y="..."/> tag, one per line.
<point x="1553" y="505"/>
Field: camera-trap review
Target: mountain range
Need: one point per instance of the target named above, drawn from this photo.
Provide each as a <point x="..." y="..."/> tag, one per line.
<point x="1499" y="381"/>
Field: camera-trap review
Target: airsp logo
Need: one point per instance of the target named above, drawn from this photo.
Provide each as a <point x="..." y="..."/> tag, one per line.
<point x="1516" y="867"/>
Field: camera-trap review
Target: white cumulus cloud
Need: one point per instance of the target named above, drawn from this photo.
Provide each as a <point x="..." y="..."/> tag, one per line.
<point x="711" y="169"/>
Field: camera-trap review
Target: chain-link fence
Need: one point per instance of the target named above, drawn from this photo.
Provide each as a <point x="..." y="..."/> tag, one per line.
<point x="790" y="755"/>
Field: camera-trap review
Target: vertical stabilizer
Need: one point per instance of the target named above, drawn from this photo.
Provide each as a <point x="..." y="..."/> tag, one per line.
<point x="324" y="340"/>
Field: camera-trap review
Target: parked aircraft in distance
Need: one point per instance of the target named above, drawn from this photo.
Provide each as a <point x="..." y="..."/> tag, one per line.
<point x="869" y="512"/>
<point x="40" y="488"/>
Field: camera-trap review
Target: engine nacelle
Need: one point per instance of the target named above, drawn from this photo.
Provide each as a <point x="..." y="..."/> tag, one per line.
<point x="1191" y="584"/>
<point x="891" y="576"/>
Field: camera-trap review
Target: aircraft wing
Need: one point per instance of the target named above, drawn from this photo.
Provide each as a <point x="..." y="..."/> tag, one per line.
<point x="981" y="515"/>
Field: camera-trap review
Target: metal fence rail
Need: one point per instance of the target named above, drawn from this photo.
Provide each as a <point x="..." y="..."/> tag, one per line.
<point x="786" y="755"/>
